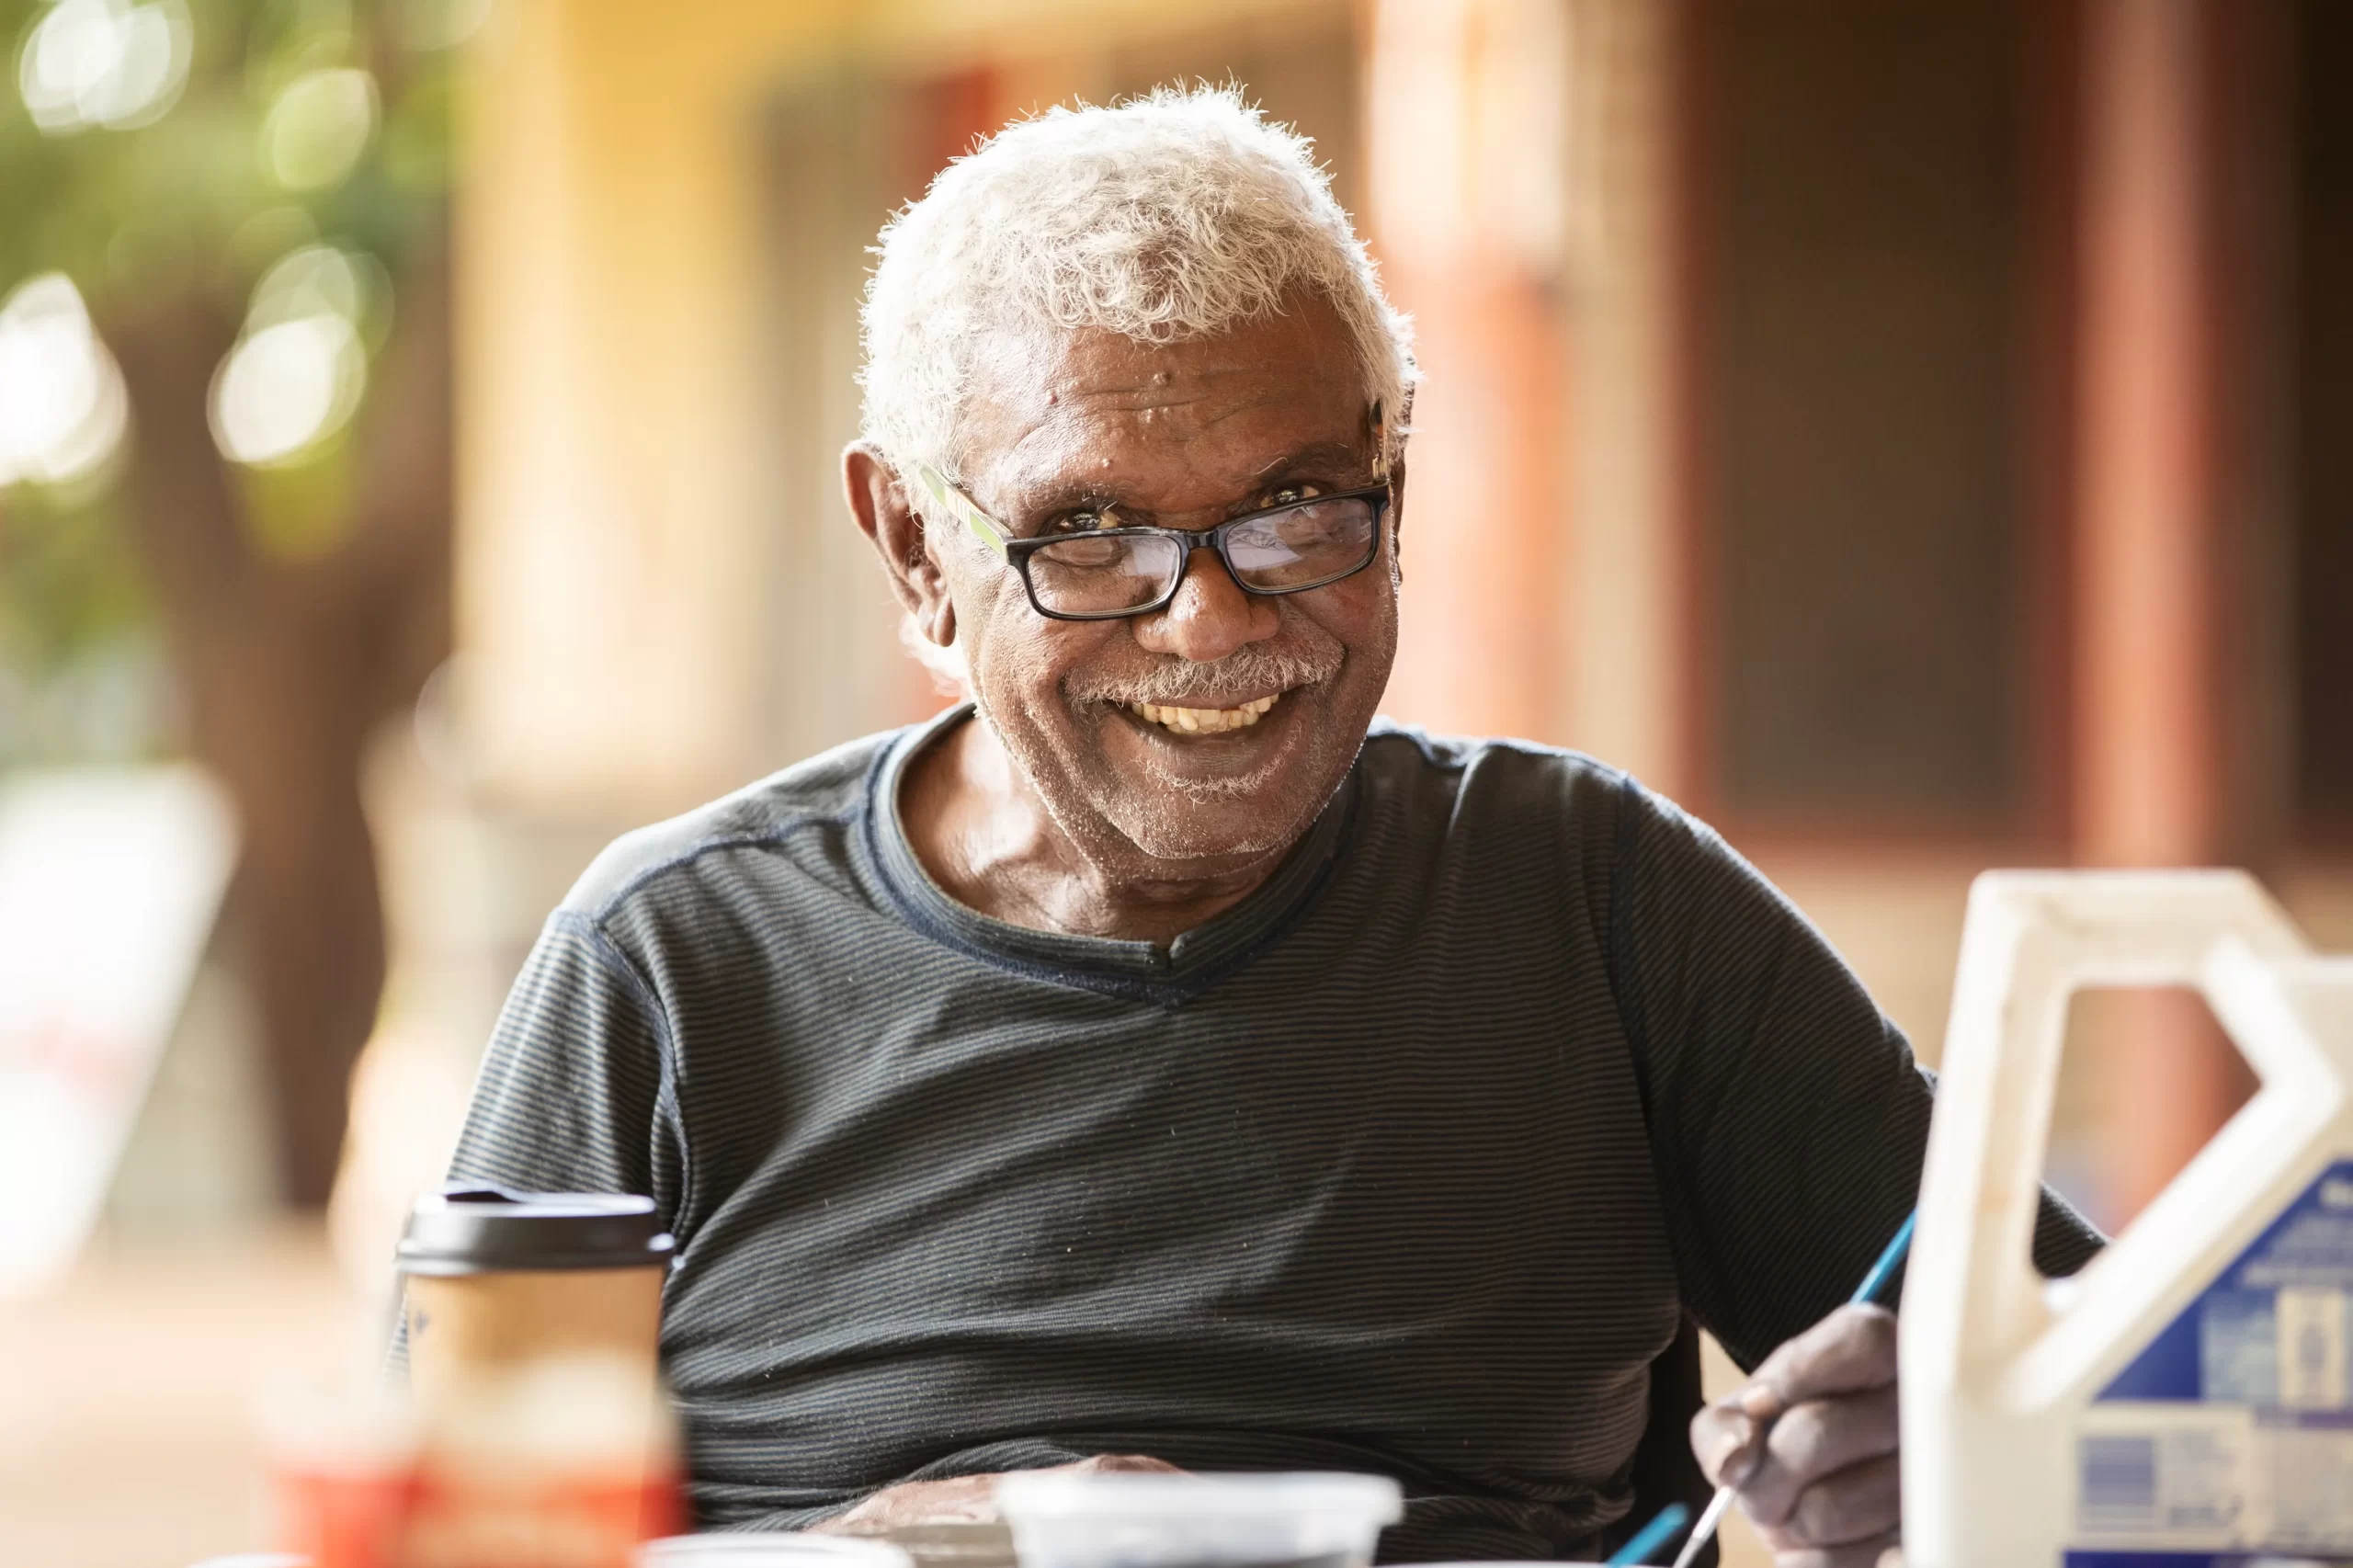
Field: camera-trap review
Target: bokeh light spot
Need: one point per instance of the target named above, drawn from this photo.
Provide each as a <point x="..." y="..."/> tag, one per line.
<point x="288" y="387"/>
<point x="315" y="280"/>
<point x="319" y="126"/>
<point x="307" y="282"/>
<point x="105" y="63"/>
<point x="63" y="408"/>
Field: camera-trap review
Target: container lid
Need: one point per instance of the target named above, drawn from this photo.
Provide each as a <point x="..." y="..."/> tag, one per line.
<point x="1068" y="1493"/>
<point x="774" y="1548"/>
<point x="491" y="1230"/>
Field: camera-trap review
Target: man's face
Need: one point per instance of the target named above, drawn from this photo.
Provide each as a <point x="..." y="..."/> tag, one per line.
<point x="1062" y="426"/>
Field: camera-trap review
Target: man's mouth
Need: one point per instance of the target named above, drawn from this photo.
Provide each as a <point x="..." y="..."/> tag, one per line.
<point x="1203" y="721"/>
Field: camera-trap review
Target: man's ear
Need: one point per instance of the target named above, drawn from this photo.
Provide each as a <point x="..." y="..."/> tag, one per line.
<point x="1390" y="439"/>
<point x="1397" y="514"/>
<point x="885" y="517"/>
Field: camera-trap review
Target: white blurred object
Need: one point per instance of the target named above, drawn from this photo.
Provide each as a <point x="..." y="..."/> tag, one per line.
<point x="109" y="884"/>
<point x="2184" y="1398"/>
<point x="200" y="1158"/>
<point x="288" y="387"/>
<point x="318" y="128"/>
<point x="1070" y="1518"/>
<point x="62" y="409"/>
<point x="105" y="63"/>
<point x="777" y="1549"/>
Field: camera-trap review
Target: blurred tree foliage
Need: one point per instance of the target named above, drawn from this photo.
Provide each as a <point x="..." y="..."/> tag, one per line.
<point x="69" y="583"/>
<point x="292" y="607"/>
<point x="187" y="206"/>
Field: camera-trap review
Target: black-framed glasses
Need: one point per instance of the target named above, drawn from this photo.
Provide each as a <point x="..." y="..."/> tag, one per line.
<point x="1104" y="573"/>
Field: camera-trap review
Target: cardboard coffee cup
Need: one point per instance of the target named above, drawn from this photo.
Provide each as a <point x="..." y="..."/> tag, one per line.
<point x="498" y="1280"/>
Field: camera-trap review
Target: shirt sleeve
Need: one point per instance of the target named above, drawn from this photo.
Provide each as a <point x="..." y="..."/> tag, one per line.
<point x="573" y="1095"/>
<point x="1788" y="1118"/>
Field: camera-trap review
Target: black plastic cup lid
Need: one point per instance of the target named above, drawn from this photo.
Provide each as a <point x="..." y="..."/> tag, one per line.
<point x="490" y="1230"/>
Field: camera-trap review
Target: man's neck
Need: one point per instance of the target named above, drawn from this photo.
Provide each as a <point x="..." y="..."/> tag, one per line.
<point x="988" y="840"/>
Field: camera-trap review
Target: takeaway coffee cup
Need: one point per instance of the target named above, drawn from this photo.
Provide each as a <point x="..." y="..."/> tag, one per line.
<point x="497" y="1280"/>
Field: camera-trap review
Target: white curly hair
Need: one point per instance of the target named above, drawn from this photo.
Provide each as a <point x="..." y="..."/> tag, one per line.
<point x="1166" y="217"/>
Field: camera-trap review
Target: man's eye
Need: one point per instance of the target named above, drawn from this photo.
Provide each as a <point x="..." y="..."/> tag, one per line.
<point x="1080" y="522"/>
<point x="1291" y="494"/>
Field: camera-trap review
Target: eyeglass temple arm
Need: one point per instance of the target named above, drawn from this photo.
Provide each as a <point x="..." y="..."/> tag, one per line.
<point x="960" y="506"/>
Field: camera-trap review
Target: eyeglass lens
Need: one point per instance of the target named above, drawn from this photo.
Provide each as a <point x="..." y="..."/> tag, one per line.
<point x="1298" y="546"/>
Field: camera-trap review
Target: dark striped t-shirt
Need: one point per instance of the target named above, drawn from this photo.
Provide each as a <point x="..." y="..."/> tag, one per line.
<point x="1410" y="1163"/>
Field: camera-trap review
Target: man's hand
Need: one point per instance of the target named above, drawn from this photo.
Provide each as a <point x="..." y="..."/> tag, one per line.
<point x="959" y="1499"/>
<point x="1821" y="1485"/>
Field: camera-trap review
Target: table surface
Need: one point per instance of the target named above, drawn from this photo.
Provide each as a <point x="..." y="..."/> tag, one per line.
<point x="129" y="1391"/>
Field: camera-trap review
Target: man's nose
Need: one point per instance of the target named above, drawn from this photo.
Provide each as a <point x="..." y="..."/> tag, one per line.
<point x="1211" y="616"/>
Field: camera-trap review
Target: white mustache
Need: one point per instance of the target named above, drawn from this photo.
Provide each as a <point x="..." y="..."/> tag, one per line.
<point x="1181" y="685"/>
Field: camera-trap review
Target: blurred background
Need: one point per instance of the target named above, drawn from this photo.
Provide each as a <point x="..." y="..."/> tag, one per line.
<point x="1917" y="436"/>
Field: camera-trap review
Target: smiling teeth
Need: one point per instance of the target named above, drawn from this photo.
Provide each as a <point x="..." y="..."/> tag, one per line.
<point x="1203" y="721"/>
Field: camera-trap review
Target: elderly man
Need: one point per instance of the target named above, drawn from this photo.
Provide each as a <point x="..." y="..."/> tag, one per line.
<point x="1156" y="1059"/>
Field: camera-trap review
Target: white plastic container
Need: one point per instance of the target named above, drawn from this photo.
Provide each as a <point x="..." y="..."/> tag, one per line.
<point x="775" y="1549"/>
<point x="2186" y="1401"/>
<point x="1074" y="1519"/>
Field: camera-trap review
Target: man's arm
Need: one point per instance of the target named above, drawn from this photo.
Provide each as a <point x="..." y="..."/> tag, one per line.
<point x="1788" y="1121"/>
<point x="960" y="1499"/>
<point x="1788" y="1117"/>
<point x="572" y="1096"/>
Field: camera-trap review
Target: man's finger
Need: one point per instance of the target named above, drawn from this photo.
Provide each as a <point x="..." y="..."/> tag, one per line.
<point x="1815" y="1440"/>
<point x="1860" y="1506"/>
<point x="1884" y="1552"/>
<point x="1724" y="1439"/>
<point x="1123" y="1464"/>
<point x="1852" y="1349"/>
<point x="962" y="1499"/>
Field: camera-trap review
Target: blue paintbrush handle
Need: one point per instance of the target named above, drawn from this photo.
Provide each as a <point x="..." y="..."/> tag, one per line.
<point x="1890" y="1258"/>
<point x="1650" y="1537"/>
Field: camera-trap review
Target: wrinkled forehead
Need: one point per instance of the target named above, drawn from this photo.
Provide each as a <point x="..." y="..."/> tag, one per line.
<point x="1164" y="424"/>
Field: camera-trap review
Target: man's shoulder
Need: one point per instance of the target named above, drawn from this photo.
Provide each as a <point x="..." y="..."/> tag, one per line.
<point x="1411" y="756"/>
<point x="1489" y="784"/>
<point x="829" y="789"/>
<point x="1496" y="801"/>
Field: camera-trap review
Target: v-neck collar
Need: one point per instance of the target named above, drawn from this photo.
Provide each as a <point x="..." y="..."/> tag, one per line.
<point x="1147" y="969"/>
